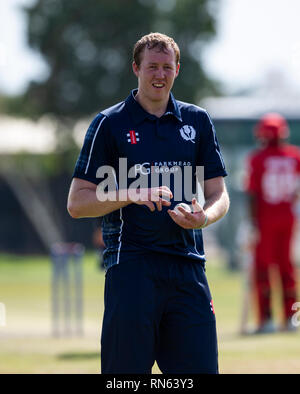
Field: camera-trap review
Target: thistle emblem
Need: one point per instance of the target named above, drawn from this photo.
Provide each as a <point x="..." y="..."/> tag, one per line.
<point x="188" y="133"/>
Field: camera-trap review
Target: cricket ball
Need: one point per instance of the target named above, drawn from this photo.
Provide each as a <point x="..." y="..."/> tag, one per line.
<point x="184" y="206"/>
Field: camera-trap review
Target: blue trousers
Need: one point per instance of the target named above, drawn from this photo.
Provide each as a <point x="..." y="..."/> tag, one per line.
<point x="158" y="307"/>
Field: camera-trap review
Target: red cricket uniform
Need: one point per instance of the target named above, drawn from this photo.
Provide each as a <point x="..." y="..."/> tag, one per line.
<point x="273" y="179"/>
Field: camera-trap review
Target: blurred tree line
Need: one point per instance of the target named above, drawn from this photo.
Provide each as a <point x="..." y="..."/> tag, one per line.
<point x="87" y="46"/>
<point x="88" y="49"/>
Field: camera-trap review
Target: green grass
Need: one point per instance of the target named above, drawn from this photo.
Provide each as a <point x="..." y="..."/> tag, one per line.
<point x="27" y="346"/>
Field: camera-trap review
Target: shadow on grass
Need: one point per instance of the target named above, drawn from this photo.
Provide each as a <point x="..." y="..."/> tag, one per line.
<point x="78" y="356"/>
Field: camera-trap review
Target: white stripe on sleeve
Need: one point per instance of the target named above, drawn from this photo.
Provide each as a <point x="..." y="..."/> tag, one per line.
<point x="92" y="146"/>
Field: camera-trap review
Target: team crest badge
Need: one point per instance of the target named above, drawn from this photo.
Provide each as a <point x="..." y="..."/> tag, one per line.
<point x="188" y="133"/>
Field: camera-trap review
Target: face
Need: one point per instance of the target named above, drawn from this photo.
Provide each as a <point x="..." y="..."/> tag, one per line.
<point x="156" y="75"/>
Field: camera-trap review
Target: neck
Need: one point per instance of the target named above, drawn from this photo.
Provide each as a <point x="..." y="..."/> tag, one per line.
<point x="157" y="108"/>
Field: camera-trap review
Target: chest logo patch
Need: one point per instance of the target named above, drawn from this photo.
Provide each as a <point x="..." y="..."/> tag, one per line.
<point x="188" y="133"/>
<point x="133" y="137"/>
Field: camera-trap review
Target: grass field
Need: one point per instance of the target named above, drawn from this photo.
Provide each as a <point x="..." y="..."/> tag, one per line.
<point x="27" y="346"/>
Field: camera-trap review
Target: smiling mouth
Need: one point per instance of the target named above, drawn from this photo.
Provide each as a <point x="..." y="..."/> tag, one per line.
<point x="158" y="85"/>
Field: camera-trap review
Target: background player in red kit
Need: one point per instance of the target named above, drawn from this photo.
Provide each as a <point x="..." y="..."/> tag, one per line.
<point x="273" y="183"/>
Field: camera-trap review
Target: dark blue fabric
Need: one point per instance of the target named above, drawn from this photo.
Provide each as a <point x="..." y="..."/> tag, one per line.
<point x="158" y="308"/>
<point x="184" y="136"/>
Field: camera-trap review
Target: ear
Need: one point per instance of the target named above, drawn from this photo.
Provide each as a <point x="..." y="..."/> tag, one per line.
<point x="177" y="70"/>
<point x="135" y="69"/>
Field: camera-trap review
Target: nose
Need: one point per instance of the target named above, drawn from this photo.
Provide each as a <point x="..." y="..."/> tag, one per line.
<point x="160" y="73"/>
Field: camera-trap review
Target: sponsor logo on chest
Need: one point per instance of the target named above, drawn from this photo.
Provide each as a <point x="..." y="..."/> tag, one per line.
<point x="133" y="137"/>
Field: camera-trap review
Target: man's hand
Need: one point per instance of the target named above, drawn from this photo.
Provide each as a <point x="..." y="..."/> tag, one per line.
<point x="159" y="196"/>
<point x="189" y="220"/>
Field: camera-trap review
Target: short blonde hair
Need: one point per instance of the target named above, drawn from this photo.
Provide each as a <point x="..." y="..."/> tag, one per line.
<point x="155" y="40"/>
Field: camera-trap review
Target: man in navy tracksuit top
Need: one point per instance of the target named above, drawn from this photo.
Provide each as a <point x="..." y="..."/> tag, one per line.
<point x="157" y="301"/>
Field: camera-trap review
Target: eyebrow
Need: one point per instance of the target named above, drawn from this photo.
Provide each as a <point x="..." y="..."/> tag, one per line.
<point x="165" y="64"/>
